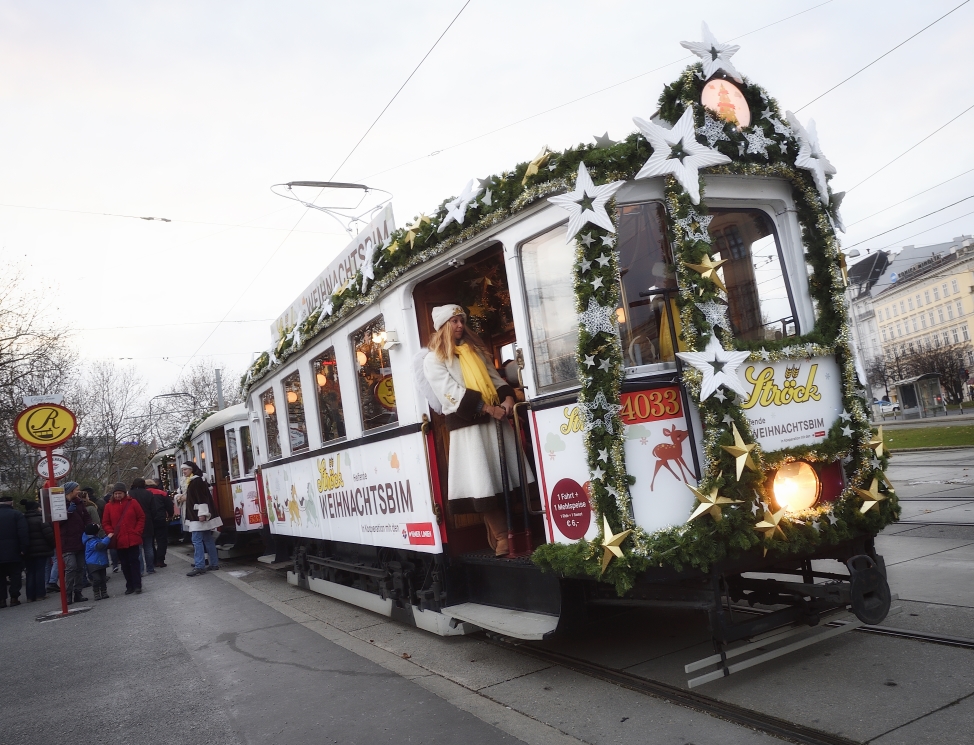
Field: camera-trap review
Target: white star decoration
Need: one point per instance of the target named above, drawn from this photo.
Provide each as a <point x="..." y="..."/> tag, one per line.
<point x="715" y="314"/>
<point x="834" y="215"/>
<point x="715" y="56"/>
<point x="456" y="209"/>
<point x="597" y="318"/>
<point x="712" y="130"/>
<point x="847" y="431"/>
<point x="677" y="151"/>
<point x="779" y="126"/>
<point x="702" y="223"/>
<point x="486" y="199"/>
<point x="603" y="260"/>
<point x="719" y="368"/>
<point x="810" y="156"/>
<point x="592" y="419"/>
<point x="587" y="203"/>
<point x="845" y="415"/>
<point x="608" y="240"/>
<point x="757" y="143"/>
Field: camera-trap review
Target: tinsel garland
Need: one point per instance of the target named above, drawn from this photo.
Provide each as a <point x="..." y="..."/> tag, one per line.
<point x="187" y="434"/>
<point x="702" y="542"/>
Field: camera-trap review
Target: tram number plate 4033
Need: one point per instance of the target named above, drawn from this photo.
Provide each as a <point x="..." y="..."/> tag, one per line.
<point x="651" y="405"/>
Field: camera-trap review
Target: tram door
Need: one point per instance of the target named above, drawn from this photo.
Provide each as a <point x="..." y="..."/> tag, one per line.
<point x="221" y="471"/>
<point x="480" y="287"/>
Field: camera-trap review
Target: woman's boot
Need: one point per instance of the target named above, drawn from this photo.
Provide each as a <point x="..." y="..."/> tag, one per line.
<point x="496" y="522"/>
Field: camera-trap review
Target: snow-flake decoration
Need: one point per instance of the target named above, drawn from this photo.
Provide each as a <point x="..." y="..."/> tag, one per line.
<point x="676" y="151"/>
<point x="810" y="156"/>
<point x="712" y="130"/>
<point x="695" y="227"/>
<point x="780" y="127"/>
<point x="757" y="143"/>
<point x="591" y="416"/>
<point x="715" y="56"/>
<point x="715" y="314"/>
<point x="587" y="203"/>
<point x="833" y="211"/>
<point x="456" y="209"/>
<point x="368" y="264"/>
<point x="486" y="199"/>
<point x="597" y="318"/>
<point x="719" y="368"/>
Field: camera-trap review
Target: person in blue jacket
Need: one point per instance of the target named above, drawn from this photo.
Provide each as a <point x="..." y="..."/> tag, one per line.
<point x="96" y="556"/>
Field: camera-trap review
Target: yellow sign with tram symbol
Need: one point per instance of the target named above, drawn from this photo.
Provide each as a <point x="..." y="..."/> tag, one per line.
<point x="45" y="425"/>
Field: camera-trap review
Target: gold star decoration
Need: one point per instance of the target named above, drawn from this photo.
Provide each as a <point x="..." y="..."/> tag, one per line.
<point x="536" y="164"/>
<point x="412" y="230"/>
<point x="876" y="443"/>
<point x="870" y="497"/>
<point x="710" y="503"/>
<point x="770" y="525"/>
<point x="707" y="269"/>
<point x="393" y="247"/>
<point x="611" y="543"/>
<point x="741" y="452"/>
<point x="477" y="311"/>
<point x="344" y="287"/>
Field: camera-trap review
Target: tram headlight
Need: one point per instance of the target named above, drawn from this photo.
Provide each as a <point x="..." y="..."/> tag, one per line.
<point x="796" y="486"/>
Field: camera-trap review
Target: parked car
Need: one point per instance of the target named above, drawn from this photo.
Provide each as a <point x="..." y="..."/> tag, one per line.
<point x="886" y="407"/>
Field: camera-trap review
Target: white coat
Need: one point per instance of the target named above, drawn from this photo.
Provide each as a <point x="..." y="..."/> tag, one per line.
<point x="474" y="470"/>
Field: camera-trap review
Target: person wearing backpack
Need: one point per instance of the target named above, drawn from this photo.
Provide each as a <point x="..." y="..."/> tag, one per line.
<point x="123" y="521"/>
<point x="96" y="555"/>
<point x="40" y="548"/>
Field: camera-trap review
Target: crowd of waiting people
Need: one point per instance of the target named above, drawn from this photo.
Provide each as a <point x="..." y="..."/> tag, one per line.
<point x="126" y="530"/>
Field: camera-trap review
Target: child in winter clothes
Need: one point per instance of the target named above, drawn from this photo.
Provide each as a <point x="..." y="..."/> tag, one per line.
<point x="96" y="556"/>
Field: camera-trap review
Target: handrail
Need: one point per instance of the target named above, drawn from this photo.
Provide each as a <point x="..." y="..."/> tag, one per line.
<point x="522" y="465"/>
<point x="425" y="428"/>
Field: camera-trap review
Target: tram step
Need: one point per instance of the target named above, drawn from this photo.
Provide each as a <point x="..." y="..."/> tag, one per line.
<point x="508" y="583"/>
<point x="518" y="624"/>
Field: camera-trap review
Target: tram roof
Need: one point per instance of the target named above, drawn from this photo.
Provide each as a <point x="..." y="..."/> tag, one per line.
<point x="223" y="417"/>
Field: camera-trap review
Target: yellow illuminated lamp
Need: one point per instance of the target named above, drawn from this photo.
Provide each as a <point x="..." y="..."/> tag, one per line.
<point x="361" y="358"/>
<point x="796" y="486"/>
<point x="379" y="338"/>
<point x="621" y="315"/>
<point x="269" y="408"/>
<point x="321" y="379"/>
<point x="292" y="397"/>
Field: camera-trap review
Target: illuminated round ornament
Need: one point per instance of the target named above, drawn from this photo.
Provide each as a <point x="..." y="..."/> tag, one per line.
<point x="796" y="486"/>
<point x="725" y="99"/>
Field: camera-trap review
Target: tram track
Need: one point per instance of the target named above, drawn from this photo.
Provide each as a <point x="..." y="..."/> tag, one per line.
<point x="755" y="720"/>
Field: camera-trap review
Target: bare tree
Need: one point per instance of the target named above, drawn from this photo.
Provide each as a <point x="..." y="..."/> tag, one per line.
<point x="191" y="396"/>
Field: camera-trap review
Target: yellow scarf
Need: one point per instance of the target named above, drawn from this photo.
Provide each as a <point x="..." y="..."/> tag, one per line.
<point x="475" y="375"/>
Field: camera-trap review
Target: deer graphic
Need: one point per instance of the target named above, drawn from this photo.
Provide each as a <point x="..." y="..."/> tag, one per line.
<point x="666" y="452"/>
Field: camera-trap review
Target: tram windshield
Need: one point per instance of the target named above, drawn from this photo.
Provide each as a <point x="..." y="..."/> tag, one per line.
<point x="760" y="302"/>
<point x="648" y="287"/>
<point x="232" y="453"/>
<point x="246" y="450"/>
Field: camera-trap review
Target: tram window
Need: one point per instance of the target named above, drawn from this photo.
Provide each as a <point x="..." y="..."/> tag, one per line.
<point x="297" y="426"/>
<point x="648" y="286"/>
<point x="201" y="449"/>
<point x="760" y="302"/>
<point x="330" y="414"/>
<point x="232" y="454"/>
<point x="246" y="450"/>
<point x="547" y="262"/>
<point x="377" y="395"/>
<point x="270" y="424"/>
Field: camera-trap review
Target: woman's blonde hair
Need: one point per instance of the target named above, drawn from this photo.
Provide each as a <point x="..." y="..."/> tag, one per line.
<point x="442" y="345"/>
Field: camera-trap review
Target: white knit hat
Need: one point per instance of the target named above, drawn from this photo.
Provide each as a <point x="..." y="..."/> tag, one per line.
<point x="443" y="313"/>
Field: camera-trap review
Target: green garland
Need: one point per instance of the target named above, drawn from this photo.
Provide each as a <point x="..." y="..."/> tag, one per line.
<point x="704" y="541"/>
<point x="187" y="434"/>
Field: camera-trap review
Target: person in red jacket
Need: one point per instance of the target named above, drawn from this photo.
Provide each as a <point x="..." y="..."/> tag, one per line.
<point x="124" y="521"/>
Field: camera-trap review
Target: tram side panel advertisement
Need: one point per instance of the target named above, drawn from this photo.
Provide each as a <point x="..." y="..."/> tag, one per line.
<point x="246" y="505"/>
<point x="376" y="495"/>
<point x="791" y="403"/>
<point x="657" y="454"/>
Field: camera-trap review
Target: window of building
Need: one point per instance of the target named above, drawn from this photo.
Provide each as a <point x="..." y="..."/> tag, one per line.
<point x="648" y="286"/>
<point x="940" y="314"/>
<point x="246" y="450"/>
<point x="960" y="309"/>
<point x="944" y="288"/>
<point x="548" y="267"/>
<point x="926" y="296"/>
<point x="884" y="333"/>
<point x="896" y="313"/>
<point x="950" y="312"/>
<point x="955" y="332"/>
<point x="936" y="341"/>
<point x="899" y="330"/>
<point x="936" y="294"/>
<point x="970" y="357"/>
<point x="963" y="331"/>
<point x="910" y="303"/>
<point x="946" y="339"/>
<point x="232" y="454"/>
<point x="757" y="289"/>
<point x="377" y="395"/>
<point x="931" y="318"/>
<point x="330" y="414"/>
<point x="911" y="347"/>
<point x="923" y="321"/>
<point x="270" y="424"/>
<point x="914" y="320"/>
<point x="297" y="425"/>
<point x="919" y="304"/>
<point x="953" y="286"/>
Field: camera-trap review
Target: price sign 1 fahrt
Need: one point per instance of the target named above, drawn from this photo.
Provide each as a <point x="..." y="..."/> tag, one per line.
<point x="45" y="425"/>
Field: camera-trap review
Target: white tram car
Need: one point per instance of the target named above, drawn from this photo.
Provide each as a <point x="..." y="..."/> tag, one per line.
<point x="352" y="458"/>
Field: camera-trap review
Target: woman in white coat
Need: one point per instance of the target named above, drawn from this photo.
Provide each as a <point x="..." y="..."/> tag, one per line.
<point x="462" y="375"/>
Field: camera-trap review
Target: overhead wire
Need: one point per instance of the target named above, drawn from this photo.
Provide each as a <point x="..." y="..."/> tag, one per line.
<point x="885" y="54"/>
<point x="904" y="201"/>
<point x="307" y="207"/>
<point x="908" y="222"/>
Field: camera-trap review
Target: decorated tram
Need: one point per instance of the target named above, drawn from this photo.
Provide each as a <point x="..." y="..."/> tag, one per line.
<point x="669" y="310"/>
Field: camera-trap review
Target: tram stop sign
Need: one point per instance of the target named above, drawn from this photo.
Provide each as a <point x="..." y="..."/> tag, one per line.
<point x="62" y="467"/>
<point x="44" y="426"/>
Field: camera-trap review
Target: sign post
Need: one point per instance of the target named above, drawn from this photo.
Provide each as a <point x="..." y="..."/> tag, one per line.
<point x="45" y="426"/>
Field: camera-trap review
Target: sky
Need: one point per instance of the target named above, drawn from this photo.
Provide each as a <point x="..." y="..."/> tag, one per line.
<point x="190" y="111"/>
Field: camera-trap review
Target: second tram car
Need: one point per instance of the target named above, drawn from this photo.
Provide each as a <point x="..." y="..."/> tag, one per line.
<point x="669" y="310"/>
